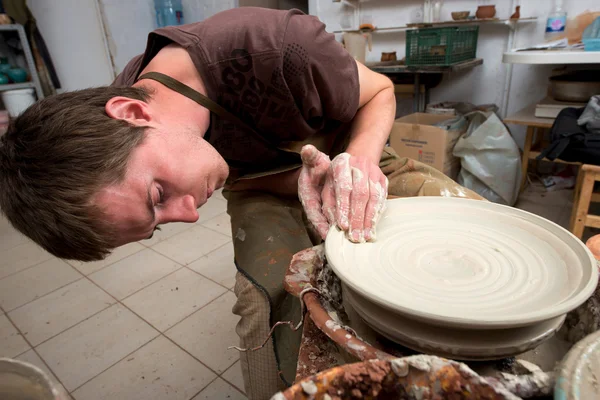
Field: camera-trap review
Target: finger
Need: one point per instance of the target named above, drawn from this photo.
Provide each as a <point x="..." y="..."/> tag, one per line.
<point x="358" y="201"/>
<point x="310" y="199"/>
<point x="328" y="198"/>
<point x="312" y="157"/>
<point x="376" y="204"/>
<point x="342" y="183"/>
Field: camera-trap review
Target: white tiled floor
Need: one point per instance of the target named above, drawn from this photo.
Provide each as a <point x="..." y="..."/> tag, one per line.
<point x="153" y="320"/>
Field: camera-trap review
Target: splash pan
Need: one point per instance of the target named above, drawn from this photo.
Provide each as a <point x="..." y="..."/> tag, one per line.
<point x="466" y="263"/>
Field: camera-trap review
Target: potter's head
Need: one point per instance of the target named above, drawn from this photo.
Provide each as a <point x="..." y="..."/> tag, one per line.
<point x="84" y="172"/>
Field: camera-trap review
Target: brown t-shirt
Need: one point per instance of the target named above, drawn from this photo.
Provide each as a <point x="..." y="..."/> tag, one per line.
<point x="279" y="71"/>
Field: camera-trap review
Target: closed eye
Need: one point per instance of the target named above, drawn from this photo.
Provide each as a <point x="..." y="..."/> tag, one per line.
<point x="161" y="195"/>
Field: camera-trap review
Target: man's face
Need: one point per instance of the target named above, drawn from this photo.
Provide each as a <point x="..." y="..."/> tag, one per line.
<point x="169" y="175"/>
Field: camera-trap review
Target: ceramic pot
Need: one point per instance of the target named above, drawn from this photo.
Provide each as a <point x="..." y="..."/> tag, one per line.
<point x="17" y="75"/>
<point x="517" y="13"/>
<point x="356" y="44"/>
<point x="460" y="15"/>
<point x="484" y="12"/>
<point x="23" y="381"/>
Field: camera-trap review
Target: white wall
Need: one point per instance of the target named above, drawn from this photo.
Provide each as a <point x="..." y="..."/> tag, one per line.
<point x="128" y="23"/>
<point x="72" y="31"/>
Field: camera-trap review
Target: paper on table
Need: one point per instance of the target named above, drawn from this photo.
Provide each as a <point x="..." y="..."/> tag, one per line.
<point x="557" y="44"/>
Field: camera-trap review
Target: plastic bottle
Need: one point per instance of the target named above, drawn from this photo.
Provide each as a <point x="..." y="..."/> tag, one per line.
<point x="556" y="22"/>
<point x="168" y="12"/>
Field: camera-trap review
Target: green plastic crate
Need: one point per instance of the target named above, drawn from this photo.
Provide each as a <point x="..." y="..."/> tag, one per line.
<point x="441" y="46"/>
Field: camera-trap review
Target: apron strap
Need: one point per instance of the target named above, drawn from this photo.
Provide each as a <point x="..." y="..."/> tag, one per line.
<point x="199" y="98"/>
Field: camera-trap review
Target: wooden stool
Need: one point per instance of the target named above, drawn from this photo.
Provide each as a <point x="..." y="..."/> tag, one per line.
<point x="584" y="195"/>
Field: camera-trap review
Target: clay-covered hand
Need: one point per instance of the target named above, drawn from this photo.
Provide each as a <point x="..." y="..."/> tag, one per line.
<point x="354" y="196"/>
<point x="349" y="192"/>
<point x="315" y="165"/>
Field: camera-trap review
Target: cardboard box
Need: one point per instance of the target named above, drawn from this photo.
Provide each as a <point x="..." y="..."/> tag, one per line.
<point x="414" y="136"/>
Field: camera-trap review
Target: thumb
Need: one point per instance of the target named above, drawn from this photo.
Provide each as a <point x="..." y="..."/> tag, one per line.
<point x="312" y="157"/>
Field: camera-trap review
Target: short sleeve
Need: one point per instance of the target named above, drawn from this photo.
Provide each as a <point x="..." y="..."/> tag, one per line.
<point x="320" y="74"/>
<point x="129" y="74"/>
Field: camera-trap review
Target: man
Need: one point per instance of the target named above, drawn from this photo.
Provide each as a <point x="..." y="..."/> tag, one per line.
<point x="84" y="172"/>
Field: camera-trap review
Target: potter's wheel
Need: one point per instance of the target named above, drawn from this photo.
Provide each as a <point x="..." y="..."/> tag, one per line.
<point x="464" y="278"/>
<point x="454" y="343"/>
<point x="466" y="263"/>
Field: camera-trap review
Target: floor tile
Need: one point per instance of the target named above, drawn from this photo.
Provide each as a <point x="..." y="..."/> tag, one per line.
<point x="220" y="389"/>
<point x="217" y="265"/>
<point x="565" y="218"/>
<point x="539" y="195"/>
<point x="234" y="376"/>
<point x="32" y="358"/>
<point x="208" y="333"/>
<point x="11" y="342"/>
<point x="95" y="344"/>
<point x="166" y="231"/>
<point x="160" y="370"/>
<point x="49" y="315"/>
<point x="211" y="209"/>
<point x="220" y="223"/>
<point x="10" y="238"/>
<point x="552" y="213"/>
<point x="218" y="194"/>
<point x="34" y="282"/>
<point x="20" y="257"/>
<point x="174" y="297"/>
<point x="133" y="273"/>
<point x="118" y="254"/>
<point x="190" y="245"/>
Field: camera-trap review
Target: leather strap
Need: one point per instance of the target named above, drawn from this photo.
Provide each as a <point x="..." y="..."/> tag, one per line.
<point x="199" y="98"/>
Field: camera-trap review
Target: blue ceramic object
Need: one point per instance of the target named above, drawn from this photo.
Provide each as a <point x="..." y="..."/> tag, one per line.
<point x="17" y="75"/>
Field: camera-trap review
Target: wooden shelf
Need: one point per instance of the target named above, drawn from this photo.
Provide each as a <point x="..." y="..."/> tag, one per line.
<point x="527" y="117"/>
<point x="15" y="86"/>
<point x="397" y="67"/>
<point x="472" y="22"/>
<point x="534" y="153"/>
<point x="509" y="22"/>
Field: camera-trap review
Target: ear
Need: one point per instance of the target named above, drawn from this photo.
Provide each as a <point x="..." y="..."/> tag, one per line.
<point x="134" y="111"/>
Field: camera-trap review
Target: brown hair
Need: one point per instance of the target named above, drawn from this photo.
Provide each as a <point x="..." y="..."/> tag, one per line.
<point x="54" y="158"/>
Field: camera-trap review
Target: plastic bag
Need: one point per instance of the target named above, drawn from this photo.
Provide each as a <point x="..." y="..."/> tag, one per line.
<point x="490" y="159"/>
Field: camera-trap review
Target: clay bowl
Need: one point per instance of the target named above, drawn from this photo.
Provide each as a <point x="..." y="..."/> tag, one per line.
<point x="460" y="15"/>
<point x="456" y="262"/>
<point x="484" y="12"/>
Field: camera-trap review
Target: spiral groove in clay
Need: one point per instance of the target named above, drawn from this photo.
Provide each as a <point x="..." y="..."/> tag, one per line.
<point x="466" y="261"/>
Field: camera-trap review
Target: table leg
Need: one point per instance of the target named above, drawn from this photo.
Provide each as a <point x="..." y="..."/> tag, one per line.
<point x="576" y="196"/>
<point x="583" y="204"/>
<point x="417" y="94"/>
<point x="426" y="97"/>
<point x="526" y="151"/>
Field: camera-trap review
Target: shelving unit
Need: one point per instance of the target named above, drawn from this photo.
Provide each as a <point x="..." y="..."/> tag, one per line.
<point x="511" y="23"/>
<point x="487" y="21"/>
<point x="35" y="79"/>
<point x="552" y="57"/>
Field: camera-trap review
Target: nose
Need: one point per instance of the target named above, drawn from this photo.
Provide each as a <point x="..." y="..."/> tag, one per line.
<point x="182" y="209"/>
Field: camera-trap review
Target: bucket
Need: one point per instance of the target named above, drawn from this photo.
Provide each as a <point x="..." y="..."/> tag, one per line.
<point x="23" y="381"/>
<point x="17" y="101"/>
